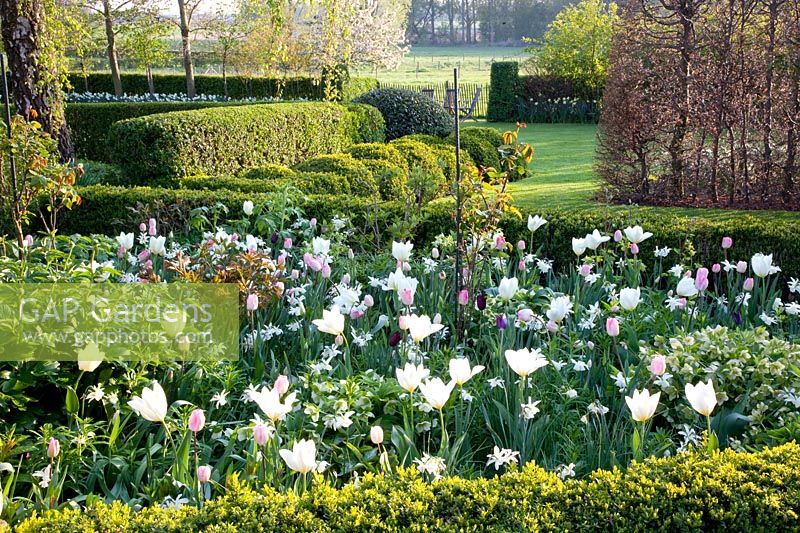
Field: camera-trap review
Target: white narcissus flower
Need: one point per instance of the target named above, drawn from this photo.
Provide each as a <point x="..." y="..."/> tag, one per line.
<point x="525" y="362"/>
<point x="402" y="251"/>
<point x="152" y="404"/>
<point x="321" y="246"/>
<point x="302" y="458"/>
<point x="578" y="246"/>
<point x="247" y="207"/>
<point x="410" y="376"/>
<point x="637" y="234"/>
<point x="629" y="298"/>
<point x="421" y="327"/>
<point x="156" y="245"/>
<point x="460" y="372"/>
<point x="269" y="401"/>
<point x="436" y="392"/>
<point x="508" y="288"/>
<point x="125" y="241"/>
<point x="642" y="404"/>
<point x="702" y="397"/>
<point x="762" y="265"/>
<point x="535" y="222"/>
<point x="559" y="308"/>
<point x="331" y="322"/>
<point x="595" y="239"/>
<point x="686" y="287"/>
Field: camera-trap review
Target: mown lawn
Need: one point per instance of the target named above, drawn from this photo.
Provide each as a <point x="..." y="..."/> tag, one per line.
<point x="563" y="176"/>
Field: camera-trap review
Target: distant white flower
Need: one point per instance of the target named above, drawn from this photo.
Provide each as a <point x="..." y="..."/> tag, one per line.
<point x="410" y="376"/>
<point x="152" y="404"/>
<point x="402" y="251"/>
<point x="502" y="457"/>
<point x="529" y="410"/>
<point x="496" y="382"/>
<point x="636" y="234"/>
<point x="535" y="222"/>
<point x="302" y="458"/>
<point x="436" y="392"/>
<point x="702" y="397"/>
<point x="220" y="399"/>
<point x="595" y="239"/>
<point x="597" y="408"/>
<point x="565" y="471"/>
<point x="662" y="252"/>
<point x="125" y="241"/>
<point x="95" y="393"/>
<point x="156" y="245"/>
<point x="525" y="362"/>
<point x="677" y="271"/>
<point x="794" y="285"/>
<point x="578" y="246"/>
<point x="421" y="327"/>
<point x="331" y="322"/>
<point x="768" y="320"/>
<point x="460" y="371"/>
<point x="762" y="265"/>
<point x="321" y="246"/>
<point x="432" y="465"/>
<point x="629" y="298"/>
<point x="642" y="405"/>
<point x="559" y="309"/>
<point x="686" y="287"/>
<point x="44" y="475"/>
<point x="508" y="288"/>
<point x="247" y="207"/>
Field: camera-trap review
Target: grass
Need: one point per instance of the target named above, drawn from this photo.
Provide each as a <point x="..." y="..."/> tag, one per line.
<point x="563" y="176"/>
<point x="434" y="64"/>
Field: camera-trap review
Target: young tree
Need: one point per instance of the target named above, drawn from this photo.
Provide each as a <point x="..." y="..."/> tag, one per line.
<point x="145" y="42"/>
<point x="33" y="39"/>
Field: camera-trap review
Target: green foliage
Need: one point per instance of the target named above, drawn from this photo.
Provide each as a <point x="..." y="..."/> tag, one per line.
<point x="406" y="112"/>
<point x="366" y="124"/>
<point x="356" y="173"/>
<point x="430" y="140"/>
<point x="96" y="172"/>
<point x="388" y="166"/>
<point x="159" y="149"/>
<point x="238" y="86"/>
<point x="431" y="182"/>
<point x="307" y="182"/>
<point x="268" y="172"/>
<point x="577" y="45"/>
<point x="719" y="492"/>
<point x="503" y="91"/>
<point x="481" y="144"/>
<point x="89" y="123"/>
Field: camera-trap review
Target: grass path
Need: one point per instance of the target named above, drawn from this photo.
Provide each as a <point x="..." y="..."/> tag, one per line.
<point x="563" y="176"/>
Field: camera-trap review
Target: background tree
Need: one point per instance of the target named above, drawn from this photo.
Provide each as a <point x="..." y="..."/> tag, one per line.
<point x="34" y="37"/>
<point x="145" y="43"/>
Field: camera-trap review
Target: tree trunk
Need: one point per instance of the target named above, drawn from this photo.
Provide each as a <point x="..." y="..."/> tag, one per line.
<point x="151" y="86"/>
<point x="187" y="49"/>
<point x="36" y="93"/>
<point x="111" y="47"/>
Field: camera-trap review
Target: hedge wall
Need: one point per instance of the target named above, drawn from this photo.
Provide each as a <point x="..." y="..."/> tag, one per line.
<point x="727" y="491"/>
<point x="89" y="123"/>
<point x="159" y="149"/>
<point x="504" y="79"/>
<point x="238" y="86"/>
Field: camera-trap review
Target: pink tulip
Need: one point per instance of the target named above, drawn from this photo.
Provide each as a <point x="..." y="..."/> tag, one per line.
<point x="27" y="242"/>
<point x="682" y="303"/>
<point x="551" y="326"/>
<point x="339" y="340"/>
<point x="463" y="297"/>
<point x="346" y="279"/>
<point x="151" y="227"/>
<point x="402" y="322"/>
<point x="658" y="365"/>
<point x="287" y="243"/>
<point x="260" y="434"/>
<point x="612" y="326"/>
<point x="748" y="284"/>
<point x="356" y="313"/>
<point x="701" y="281"/>
<point x="634" y="248"/>
<point x="350" y="253"/>
<point x="142" y="227"/>
<point x="282" y="384"/>
<point x="521" y="245"/>
<point x="204" y="474"/>
<point x="53" y="447"/>
<point x="437" y="318"/>
<point x="369" y="301"/>
<point x="499" y="242"/>
<point x="326" y="271"/>
<point x="585" y="270"/>
<point x="716" y="268"/>
<point x="525" y="315"/>
<point x="376" y="435"/>
<point x="521" y="266"/>
<point x="252" y="302"/>
<point x="741" y="267"/>
<point x="313" y="222"/>
<point x="312" y="262"/>
<point x="197" y="420"/>
<point x="294" y="274"/>
<point x="407" y="296"/>
<point x="727" y="242"/>
<point x="143" y="256"/>
<point x="617" y="235"/>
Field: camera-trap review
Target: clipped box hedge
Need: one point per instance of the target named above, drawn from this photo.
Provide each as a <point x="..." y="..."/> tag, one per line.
<point x="89" y="123"/>
<point x="238" y="86"/>
<point x="160" y="149"/>
<point x="727" y="491"/>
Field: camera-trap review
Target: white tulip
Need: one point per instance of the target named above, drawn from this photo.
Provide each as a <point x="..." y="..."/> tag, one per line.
<point x="762" y="265"/>
<point x="460" y="372"/>
<point x="410" y="376"/>
<point x="436" y="392"/>
<point x="629" y="298"/>
<point x="247" y="207"/>
<point x="331" y="322"/>
<point x="686" y="287"/>
<point x="125" y="241"/>
<point x="397" y="281"/>
<point x="302" y="458"/>
<point x="637" y="234"/>
<point x="642" y="405"/>
<point x="152" y="404"/>
<point x="508" y="288"/>
<point x="525" y="362"/>
<point x="421" y="327"/>
<point x="595" y="239"/>
<point x="402" y="251"/>
<point x="578" y="246"/>
<point x="702" y="397"/>
<point x="156" y="245"/>
<point x="535" y="222"/>
<point x="559" y="308"/>
<point x="269" y="401"/>
<point x="321" y="246"/>
<point x="89" y="358"/>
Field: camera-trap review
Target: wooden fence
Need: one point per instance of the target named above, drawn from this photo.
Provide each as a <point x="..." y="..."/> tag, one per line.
<point x="467" y="92"/>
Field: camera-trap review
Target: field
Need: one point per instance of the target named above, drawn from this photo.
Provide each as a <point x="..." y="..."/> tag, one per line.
<point x="435" y="64"/>
<point x="563" y="175"/>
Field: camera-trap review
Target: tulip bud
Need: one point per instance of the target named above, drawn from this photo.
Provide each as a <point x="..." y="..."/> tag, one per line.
<point x="273" y="238"/>
<point x="480" y="302"/>
<point x="197" y="420"/>
<point x="252" y="302"/>
<point x="261" y="434"/>
<point x="612" y="326"/>
<point x="394" y="339"/>
<point x="463" y="297"/>
<point x="522" y="266"/>
<point x="585" y="270"/>
<point x="748" y="284"/>
<point x="356" y="313"/>
<point x="634" y="248"/>
<point x="521" y="245"/>
<point x="727" y="242"/>
<point x="437" y="318"/>
<point x="295" y="274"/>
<point x="525" y="315"/>
<point x="142" y="227"/>
<point x="27" y="242"/>
<point x="287" y="243"/>
<point x="406" y="267"/>
<point x="369" y="301"/>
<point x="183" y="343"/>
<point x="350" y="253"/>
<point x="53" y="447"/>
<point x="204" y="474"/>
<point x="501" y="322"/>
<point x="435" y="253"/>
<point x="716" y="268"/>
<point x="376" y="435"/>
<point x="152" y="230"/>
<point x="741" y="267"/>
<point x="282" y="260"/>
<point x="313" y="222"/>
<point x="407" y="296"/>
<point x="339" y="340"/>
<point x="658" y="365"/>
<point x="551" y="326"/>
<point x="325" y="272"/>
<point x="346" y="279"/>
<point x="282" y="384"/>
<point x="617" y="235"/>
<point x="402" y="322"/>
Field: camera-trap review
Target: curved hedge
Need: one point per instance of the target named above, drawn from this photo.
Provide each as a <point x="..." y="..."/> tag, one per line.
<point x="307" y="182"/>
<point x="360" y="178"/>
<point x="159" y="149"/>
<point x="727" y="491"/>
<point x="406" y="112"/>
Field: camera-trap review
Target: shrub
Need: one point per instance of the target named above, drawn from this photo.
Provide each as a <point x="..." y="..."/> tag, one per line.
<point x="378" y="152"/>
<point x="482" y="151"/>
<point x="429" y="140"/>
<point x="95" y="172"/>
<point x="366" y="124"/>
<point x="159" y="149"/>
<point x="89" y="123"/>
<point x="406" y="112"/>
<point x="503" y="91"/>
<point x="307" y="182"/>
<point x="268" y="172"/>
<point x="727" y="490"/>
<point x="432" y="181"/>
<point x="361" y="181"/>
<point x="490" y="135"/>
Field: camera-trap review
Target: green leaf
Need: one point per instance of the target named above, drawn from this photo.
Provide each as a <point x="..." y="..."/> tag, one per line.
<point x="72" y="402"/>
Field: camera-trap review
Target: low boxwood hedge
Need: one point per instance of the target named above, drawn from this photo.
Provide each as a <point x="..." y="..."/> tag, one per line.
<point x="726" y="491"/>
<point x="160" y="149"/>
<point x="307" y="182"/>
<point x="356" y="173"/>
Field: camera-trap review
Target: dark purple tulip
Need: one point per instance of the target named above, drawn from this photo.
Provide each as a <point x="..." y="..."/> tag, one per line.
<point x="737" y="318"/>
<point x="480" y="302"/>
<point x="274" y="238"/>
<point x="394" y="339"/>
<point x="501" y="322"/>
